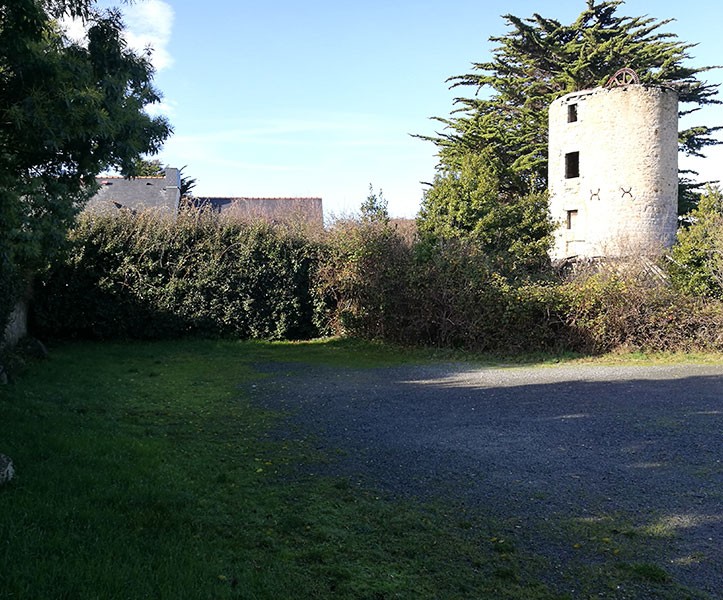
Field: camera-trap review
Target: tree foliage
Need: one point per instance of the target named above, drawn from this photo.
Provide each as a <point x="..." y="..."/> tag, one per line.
<point x="697" y="257"/>
<point x="149" y="168"/>
<point x="67" y="112"/>
<point x="541" y="59"/>
<point x="469" y="200"/>
<point x="187" y="184"/>
<point x="375" y="208"/>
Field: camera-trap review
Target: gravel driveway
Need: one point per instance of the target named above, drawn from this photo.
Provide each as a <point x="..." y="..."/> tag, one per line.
<point x="544" y="451"/>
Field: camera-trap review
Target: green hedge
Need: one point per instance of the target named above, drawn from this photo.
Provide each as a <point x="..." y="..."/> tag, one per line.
<point x="142" y="276"/>
<point x="128" y="276"/>
<point x="609" y="311"/>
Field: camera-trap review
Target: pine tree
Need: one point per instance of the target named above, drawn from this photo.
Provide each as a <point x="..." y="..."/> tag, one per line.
<point x="540" y="60"/>
<point x="375" y="208"/>
<point x="469" y="201"/>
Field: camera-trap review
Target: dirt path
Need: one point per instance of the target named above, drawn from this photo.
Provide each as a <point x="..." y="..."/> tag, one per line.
<point x="553" y="454"/>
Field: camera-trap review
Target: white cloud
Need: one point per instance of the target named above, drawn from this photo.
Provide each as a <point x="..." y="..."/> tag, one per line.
<point x="74" y="29"/>
<point x="167" y="108"/>
<point x="149" y="23"/>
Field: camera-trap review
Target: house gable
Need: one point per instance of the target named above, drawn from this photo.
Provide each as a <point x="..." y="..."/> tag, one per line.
<point x="139" y="194"/>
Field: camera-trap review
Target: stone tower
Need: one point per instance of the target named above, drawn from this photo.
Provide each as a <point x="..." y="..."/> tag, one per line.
<point x="613" y="171"/>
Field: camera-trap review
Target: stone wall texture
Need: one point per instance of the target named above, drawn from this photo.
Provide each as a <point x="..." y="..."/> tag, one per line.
<point x="613" y="171"/>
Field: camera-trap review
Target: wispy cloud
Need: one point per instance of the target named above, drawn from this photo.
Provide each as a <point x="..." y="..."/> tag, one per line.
<point x="149" y="24"/>
<point x="336" y="129"/>
<point x="167" y="108"/>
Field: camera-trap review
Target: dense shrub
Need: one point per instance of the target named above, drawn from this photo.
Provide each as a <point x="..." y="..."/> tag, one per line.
<point x="142" y="276"/>
<point x="130" y="276"/>
<point x="363" y="277"/>
<point x="457" y="299"/>
<point x="696" y="265"/>
<point x="383" y="285"/>
<point x="608" y="311"/>
<point x="9" y="293"/>
<point x="449" y="294"/>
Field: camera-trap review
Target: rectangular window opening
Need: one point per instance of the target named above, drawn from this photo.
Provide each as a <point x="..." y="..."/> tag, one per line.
<point x="571" y="113"/>
<point x="571" y="219"/>
<point x="572" y="165"/>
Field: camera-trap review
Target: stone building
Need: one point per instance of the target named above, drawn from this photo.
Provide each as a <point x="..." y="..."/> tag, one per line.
<point x="302" y="210"/>
<point x="613" y="171"/>
<point x="160" y="193"/>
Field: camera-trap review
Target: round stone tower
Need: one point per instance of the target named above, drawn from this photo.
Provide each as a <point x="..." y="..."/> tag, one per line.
<point x="613" y="171"/>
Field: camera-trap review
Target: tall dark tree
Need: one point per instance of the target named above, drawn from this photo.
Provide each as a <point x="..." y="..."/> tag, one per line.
<point x="470" y="201"/>
<point x="539" y="60"/>
<point x="67" y="112"/>
<point x="188" y="183"/>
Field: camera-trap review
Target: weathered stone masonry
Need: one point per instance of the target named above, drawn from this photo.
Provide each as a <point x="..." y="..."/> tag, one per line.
<point x="613" y="171"/>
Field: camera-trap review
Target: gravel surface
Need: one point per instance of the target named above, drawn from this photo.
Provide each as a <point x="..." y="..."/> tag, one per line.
<point x="537" y="449"/>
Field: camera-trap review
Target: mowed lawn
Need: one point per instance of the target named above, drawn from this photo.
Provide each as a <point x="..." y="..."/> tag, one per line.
<point x="145" y="471"/>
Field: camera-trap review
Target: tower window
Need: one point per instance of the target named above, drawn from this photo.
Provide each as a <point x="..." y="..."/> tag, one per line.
<point x="572" y="165"/>
<point x="571" y="113"/>
<point x="571" y="219"/>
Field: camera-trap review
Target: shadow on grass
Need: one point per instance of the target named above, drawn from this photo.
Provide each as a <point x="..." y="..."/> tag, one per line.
<point x="612" y="473"/>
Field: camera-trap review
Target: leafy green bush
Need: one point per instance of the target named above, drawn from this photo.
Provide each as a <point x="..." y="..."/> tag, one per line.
<point x="455" y="298"/>
<point x="145" y="276"/>
<point x="697" y="258"/>
<point x="383" y="285"/>
<point x="458" y="299"/>
<point x="609" y="311"/>
<point x="362" y="278"/>
<point x="129" y="276"/>
<point x="9" y="293"/>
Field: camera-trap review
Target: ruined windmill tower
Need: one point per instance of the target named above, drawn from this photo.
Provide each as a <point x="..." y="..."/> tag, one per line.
<point x="613" y="169"/>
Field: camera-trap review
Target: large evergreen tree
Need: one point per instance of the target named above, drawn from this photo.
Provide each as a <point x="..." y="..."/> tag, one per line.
<point x="67" y="111"/>
<point x="470" y="201"/>
<point x="493" y="152"/>
<point x="539" y="60"/>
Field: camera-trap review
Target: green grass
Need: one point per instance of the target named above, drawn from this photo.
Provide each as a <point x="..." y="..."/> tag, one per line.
<point x="145" y="471"/>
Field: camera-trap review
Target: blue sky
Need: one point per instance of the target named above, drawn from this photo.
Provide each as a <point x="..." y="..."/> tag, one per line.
<point x="319" y="98"/>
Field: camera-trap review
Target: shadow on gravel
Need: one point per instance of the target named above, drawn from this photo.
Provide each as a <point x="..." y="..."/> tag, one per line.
<point x="579" y="463"/>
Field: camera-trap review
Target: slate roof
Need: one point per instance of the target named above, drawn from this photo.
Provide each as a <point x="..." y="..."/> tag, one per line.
<point x="141" y="193"/>
<point x="309" y="210"/>
<point x="163" y="194"/>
